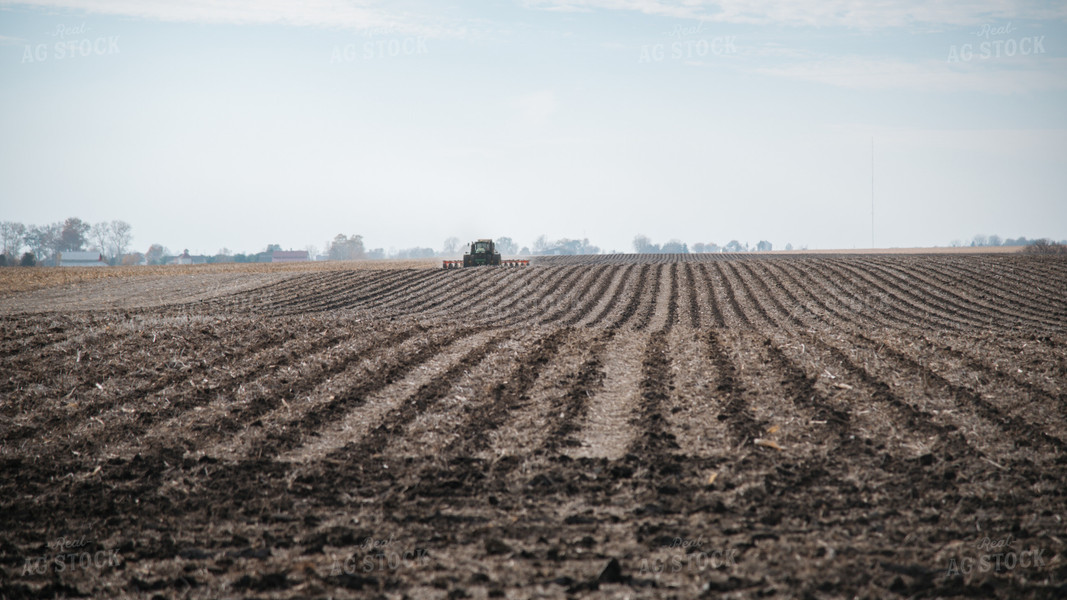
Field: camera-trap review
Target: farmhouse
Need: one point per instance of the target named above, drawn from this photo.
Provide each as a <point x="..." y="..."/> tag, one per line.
<point x="287" y="256"/>
<point x="187" y="259"/>
<point x="81" y="259"/>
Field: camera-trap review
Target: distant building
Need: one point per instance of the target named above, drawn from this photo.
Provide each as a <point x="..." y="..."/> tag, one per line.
<point x="288" y="256"/>
<point x="187" y="259"/>
<point x="82" y="259"/>
<point x="182" y="259"/>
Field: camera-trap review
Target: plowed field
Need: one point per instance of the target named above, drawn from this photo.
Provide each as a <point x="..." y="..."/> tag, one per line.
<point x="609" y="426"/>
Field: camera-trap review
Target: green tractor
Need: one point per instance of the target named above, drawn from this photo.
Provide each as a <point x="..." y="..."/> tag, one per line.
<point x="482" y="252"/>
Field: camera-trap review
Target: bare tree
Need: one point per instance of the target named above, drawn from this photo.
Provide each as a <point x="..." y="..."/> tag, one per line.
<point x="1045" y="246"/>
<point x="34" y="239"/>
<point x="451" y="246"/>
<point x="540" y="244"/>
<point x="345" y="248"/>
<point x="12" y="235"/>
<point x="674" y="247"/>
<point x="506" y="245"/>
<point x="99" y="236"/>
<point x="44" y="240"/>
<point x="643" y="245"/>
<point x="119" y="238"/>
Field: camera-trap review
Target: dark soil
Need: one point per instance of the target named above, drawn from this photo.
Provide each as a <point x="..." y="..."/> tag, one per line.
<point x="801" y="426"/>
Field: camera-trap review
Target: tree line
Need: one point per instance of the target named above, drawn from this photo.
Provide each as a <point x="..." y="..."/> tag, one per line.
<point x="351" y="247"/>
<point x="45" y="243"/>
<point x="983" y="240"/>
<point x="643" y="245"/>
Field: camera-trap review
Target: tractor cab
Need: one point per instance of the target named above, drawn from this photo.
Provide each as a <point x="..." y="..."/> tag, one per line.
<point x="482" y="253"/>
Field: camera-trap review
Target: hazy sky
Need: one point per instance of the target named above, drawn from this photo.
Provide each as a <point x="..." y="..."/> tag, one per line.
<point x="239" y="123"/>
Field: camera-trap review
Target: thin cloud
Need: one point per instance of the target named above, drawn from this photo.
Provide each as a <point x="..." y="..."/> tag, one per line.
<point x="856" y="14"/>
<point x="331" y="14"/>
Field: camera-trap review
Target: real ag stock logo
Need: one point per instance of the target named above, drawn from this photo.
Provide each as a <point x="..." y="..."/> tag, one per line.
<point x="380" y="555"/>
<point x="690" y="555"/>
<point x="996" y="44"/>
<point x="998" y="556"/>
<point x="74" y="42"/>
<point x="688" y="43"/>
<point x="378" y="49"/>
<point x="70" y="555"/>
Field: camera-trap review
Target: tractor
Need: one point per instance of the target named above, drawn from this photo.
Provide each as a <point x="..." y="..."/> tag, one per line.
<point x="483" y="253"/>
